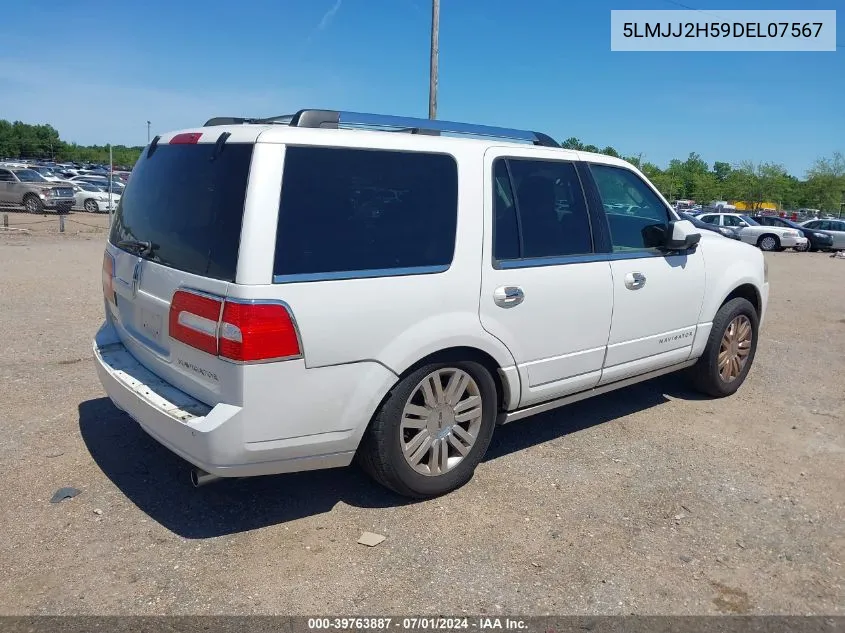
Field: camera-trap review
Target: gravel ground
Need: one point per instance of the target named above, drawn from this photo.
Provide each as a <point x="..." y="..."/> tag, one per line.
<point x="651" y="500"/>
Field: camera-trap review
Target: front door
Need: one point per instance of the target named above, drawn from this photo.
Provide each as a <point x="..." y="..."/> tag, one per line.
<point x="656" y="297"/>
<point x="545" y="292"/>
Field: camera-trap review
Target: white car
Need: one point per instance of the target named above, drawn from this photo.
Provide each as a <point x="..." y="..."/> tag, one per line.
<point x="768" y="238"/>
<point x="297" y="294"/>
<point x="93" y="198"/>
<point x="836" y="229"/>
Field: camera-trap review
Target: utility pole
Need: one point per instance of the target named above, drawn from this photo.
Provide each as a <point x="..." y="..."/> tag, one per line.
<point x="435" y="54"/>
<point x="148" y="132"/>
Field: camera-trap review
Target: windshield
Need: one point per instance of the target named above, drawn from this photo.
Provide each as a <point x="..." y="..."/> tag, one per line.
<point x="28" y="175"/>
<point x="749" y="221"/>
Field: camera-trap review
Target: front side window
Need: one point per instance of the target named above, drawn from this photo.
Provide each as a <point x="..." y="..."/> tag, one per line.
<point x="731" y="220"/>
<point x="539" y="210"/>
<point x="358" y="210"/>
<point x="710" y="219"/>
<point x="637" y="217"/>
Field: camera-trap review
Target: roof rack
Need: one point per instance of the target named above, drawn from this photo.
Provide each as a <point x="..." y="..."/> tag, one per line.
<point x="333" y="119"/>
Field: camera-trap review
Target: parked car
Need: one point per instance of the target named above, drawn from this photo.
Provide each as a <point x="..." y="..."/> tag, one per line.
<point x="93" y="198"/>
<point x="48" y="173"/>
<point x="117" y="185"/>
<point x="767" y="238"/>
<point x="471" y="282"/>
<point x="816" y="240"/>
<point x="836" y="229"/>
<point x="727" y="231"/>
<point x="29" y="188"/>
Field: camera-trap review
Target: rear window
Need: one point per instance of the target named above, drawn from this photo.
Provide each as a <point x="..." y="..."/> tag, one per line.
<point x="188" y="202"/>
<point x="354" y="212"/>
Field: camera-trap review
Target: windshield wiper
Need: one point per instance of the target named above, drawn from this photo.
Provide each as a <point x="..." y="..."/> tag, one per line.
<point x="136" y="246"/>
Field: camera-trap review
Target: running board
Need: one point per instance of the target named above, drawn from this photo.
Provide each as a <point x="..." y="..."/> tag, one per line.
<point x="519" y="414"/>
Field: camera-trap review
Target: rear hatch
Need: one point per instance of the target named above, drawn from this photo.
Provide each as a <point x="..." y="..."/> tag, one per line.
<point x="178" y="225"/>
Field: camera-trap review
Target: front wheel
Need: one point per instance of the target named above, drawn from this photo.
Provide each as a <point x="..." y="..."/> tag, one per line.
<point x="432" y="430"/>
<point x="768" y="243"/>
<point x="803" y="248"/>
<point x="730" y="350"/>
<point x="91" y="206"/>
<point x="33" y="204"/>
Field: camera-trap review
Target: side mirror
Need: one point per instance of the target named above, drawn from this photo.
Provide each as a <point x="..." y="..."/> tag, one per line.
<point x="743" y="223"/>
<point x="681" y="235"/>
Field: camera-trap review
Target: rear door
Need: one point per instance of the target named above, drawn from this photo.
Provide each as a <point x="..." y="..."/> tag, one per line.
<point x="546" y="291"/>
<point x="178" y="225"/>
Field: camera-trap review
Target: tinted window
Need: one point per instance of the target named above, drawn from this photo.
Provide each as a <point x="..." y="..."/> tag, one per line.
<point x="837" y="226"/>
<point x="633" y="210"/>
<point x="550" y="205"/>
<point x="188" y="201"/>
<point x="710" y="219"/>
<point x="505" y="227"/>
<point x="346" y="210"/>
<point x="6" y="176"/>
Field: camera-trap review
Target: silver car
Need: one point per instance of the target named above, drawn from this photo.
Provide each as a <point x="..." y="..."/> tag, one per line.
<point x="30" y="189"/>
<point x="836" y="228"/>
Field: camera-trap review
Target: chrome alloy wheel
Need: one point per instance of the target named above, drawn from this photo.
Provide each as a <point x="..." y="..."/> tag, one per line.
<point x="441" y="421"/>
<point x="735" y="348"/>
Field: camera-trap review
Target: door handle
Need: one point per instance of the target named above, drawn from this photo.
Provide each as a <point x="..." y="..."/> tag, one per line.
<point x="634" y="281"/>
<point x="508" y="296"/>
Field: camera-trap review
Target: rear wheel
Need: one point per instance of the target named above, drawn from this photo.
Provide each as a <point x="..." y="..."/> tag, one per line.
<point x="33" y="204"/>
<point x="432" y="430"/>
<point x="91" y="206"/>
<point x="768" y="242"/>
<point x="730" y="349"/>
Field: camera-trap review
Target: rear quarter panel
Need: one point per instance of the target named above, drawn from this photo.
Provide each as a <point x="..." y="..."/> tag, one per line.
<point x="394" y="321"/>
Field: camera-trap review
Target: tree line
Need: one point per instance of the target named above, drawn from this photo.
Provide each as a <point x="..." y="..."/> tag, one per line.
<point x="692" y="179"/>
<point x="753" y="183"/>
<point x="22" y="140"/>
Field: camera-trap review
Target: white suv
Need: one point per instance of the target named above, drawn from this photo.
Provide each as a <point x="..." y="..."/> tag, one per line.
<point x="286" y="294"/>
<point x="768" y="238"/>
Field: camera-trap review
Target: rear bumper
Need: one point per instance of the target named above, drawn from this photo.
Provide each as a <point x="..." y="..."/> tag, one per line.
<point x="214" y="438"/>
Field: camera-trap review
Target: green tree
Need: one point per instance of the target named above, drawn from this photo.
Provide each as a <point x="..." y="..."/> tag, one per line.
<point x="572" y="143"/>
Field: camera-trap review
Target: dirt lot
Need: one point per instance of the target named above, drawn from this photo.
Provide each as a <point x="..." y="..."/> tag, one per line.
<point x="649" y="501"/>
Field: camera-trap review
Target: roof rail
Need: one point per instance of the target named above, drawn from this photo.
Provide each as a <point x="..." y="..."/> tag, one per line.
<point x="333" y="119"/>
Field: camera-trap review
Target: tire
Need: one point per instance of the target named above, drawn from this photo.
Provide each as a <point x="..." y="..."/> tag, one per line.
<point x="393" y="427"/>
<point x="803" y="249"/>
<point x="706" y="373"/>
<point x="32" y="203"/>
<point x="768" y="242"/>
<point x="91" y="206"/>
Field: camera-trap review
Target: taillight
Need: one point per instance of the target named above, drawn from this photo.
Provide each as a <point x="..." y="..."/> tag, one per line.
<point x="252" y="332"/>
<point x="186" y="138"/>
<point x="108" y="278"/>
<point x="194" y="319"/>
<point x="245" y="331"/>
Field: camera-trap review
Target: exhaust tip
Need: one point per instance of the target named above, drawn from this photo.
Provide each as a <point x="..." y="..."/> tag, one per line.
<point x="200" y="478"/>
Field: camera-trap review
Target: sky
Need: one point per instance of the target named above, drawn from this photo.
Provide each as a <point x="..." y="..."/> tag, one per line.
<point x="537" y="64"/>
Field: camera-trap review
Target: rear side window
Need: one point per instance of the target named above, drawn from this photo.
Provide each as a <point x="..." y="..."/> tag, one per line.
<point x="188" y="202"/>
<point x="355" y="212"/>
<point x="539" y="210"/>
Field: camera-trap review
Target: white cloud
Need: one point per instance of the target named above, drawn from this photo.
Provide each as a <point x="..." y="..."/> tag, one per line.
<point x="328" y="15"/>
